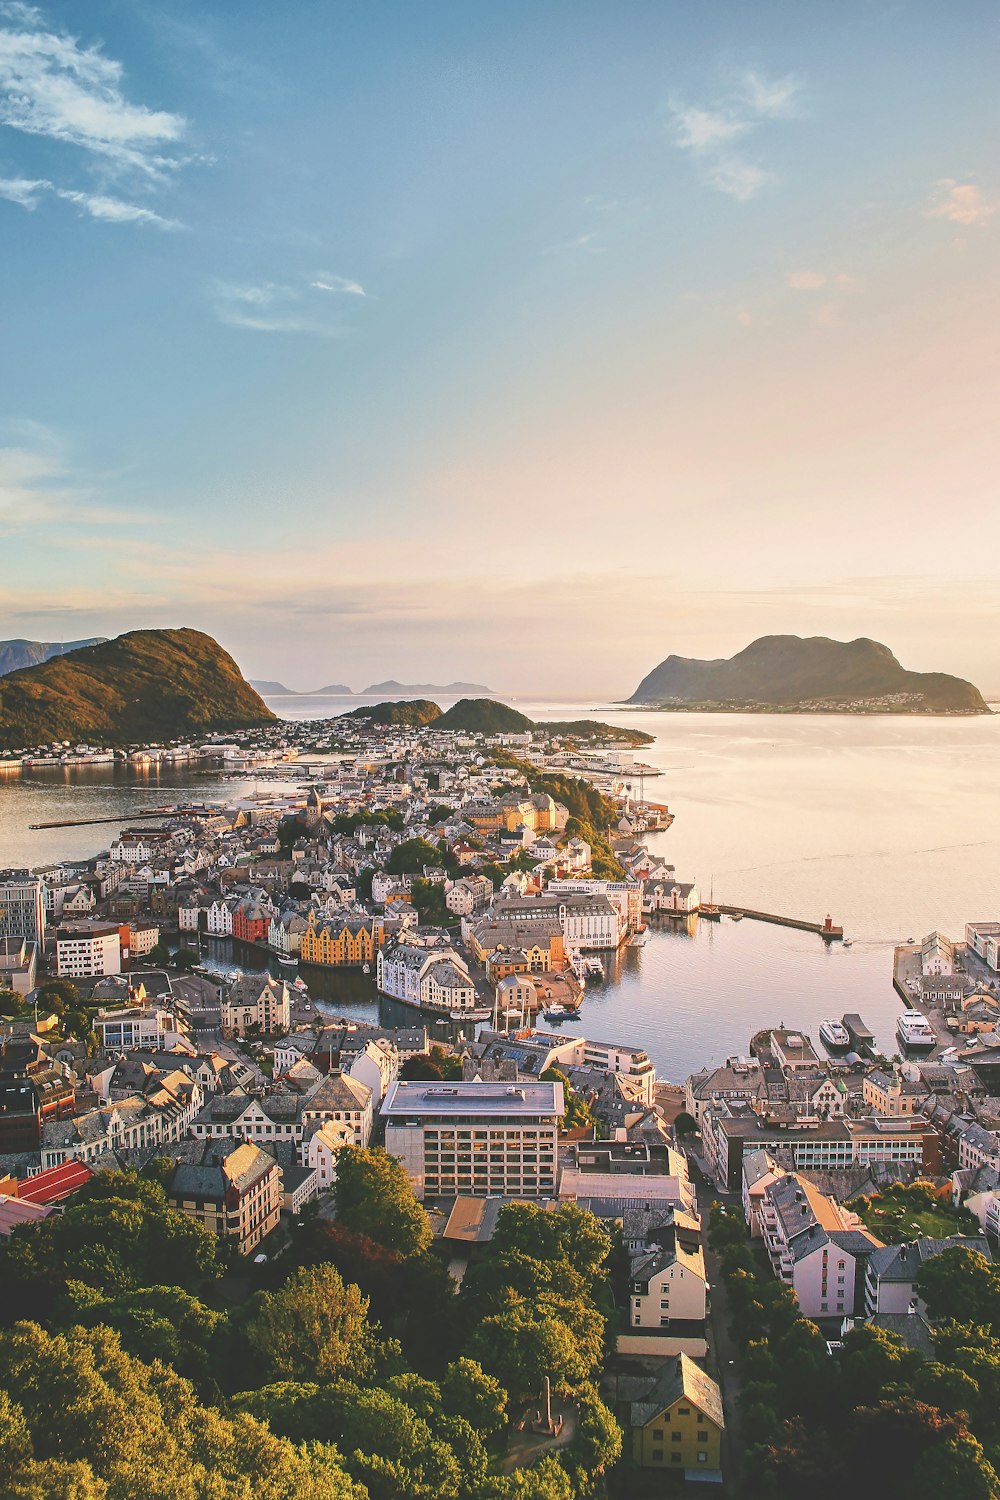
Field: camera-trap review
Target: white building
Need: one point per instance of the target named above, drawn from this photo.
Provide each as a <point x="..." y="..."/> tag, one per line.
<point x="668" y="1286"/>
<point x="377" y="1067"/>
<point x="344" y="1100"/>
<point x="476" y="1139"/>
<point x="984" y="938"/>
<point x="816" y="1248"/>
<point x="85" y="950"/>
<point x="22" y="906"/>
<point x="432" y="978"/>
<point x="321" y="1150"/>
<point x="470" y="894"/>
<point x="937" y="955"/>
<point x="891" y="1278"/>
<point x="145" y="1027"/>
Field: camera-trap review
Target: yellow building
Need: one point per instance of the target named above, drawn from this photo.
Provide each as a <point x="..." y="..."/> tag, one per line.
<point x="532" y="947"/>
<point x="890" y="1094"/>
<point x="342" y="942"/>
<point x="677" y="1421"/>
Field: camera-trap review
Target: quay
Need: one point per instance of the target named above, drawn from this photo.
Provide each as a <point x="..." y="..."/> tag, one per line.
<point x="825" y="929"/>
<point x="146" y="812"/>
<point x="862" y="1039"/>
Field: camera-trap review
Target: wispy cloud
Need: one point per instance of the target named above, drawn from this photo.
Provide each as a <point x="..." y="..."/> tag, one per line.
<point x="709" y="132"/>
<point x="51" y="85"/>
<point x="28" y="193"/>
<point x="326" y="282"/>
<point x="806" y="281"/>
<point x="38" y="486"/>
<point x="274" y="307"/>
<point x="585" y="242"/>
<point x="961" y="203"/>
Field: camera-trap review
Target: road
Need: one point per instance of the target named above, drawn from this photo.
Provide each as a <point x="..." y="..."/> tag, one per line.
<point x="723" y="1352"/>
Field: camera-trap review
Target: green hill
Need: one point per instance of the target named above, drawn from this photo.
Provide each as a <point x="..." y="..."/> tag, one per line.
<point x="412" y="715"/>
<point x="483" y="716"/>
<point x="148" y="685"/>
<point x="789" y="672"/>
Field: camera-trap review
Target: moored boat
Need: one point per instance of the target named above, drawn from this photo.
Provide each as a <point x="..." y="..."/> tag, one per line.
<point x="834" y="1035"/>
<point x="913" y="1030"/>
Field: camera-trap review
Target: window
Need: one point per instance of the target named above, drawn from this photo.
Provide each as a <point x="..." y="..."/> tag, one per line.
<point x="675" y="1458"/>
<point x="703" y="1458"/>
<point x="675" y="1437"/>
<point x="657" y="1455"/>
<point x="657" y="1434"/>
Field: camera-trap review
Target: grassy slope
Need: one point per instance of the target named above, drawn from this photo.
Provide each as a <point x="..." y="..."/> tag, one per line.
<point x="146" y="685"/>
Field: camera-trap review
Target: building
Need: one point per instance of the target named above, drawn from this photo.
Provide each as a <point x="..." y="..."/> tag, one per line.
<point x="344" y="1101"/>
<point x="33" y="1092"/>
<point x="476" y="1139"/>
<point x="739" y="1078"/>
<point x="984" y="939"/>
<point x="22" y="906"/>
<point x="342" y="941"/>
<point x="255" y="1003"/>
<point x="470" y="894"/>
<point x="891" y="1094"/>
<point x="676" y="1419"/>
<point x="891" y="1277"/>
<point x="18" y="964"/>
<point x="817" y="1248"/>
<point x="377" y="1067"/>
<point x="86" y="950"/>
<point x="235" y="1192"/>
<point x="321" y="1150"/>
<point x="937" y="956"/>
<point x="432" y="978"/>
<point x="139" y="1027"/>
<point x="814" y="1145"/>
<point x="668" y="1287"/>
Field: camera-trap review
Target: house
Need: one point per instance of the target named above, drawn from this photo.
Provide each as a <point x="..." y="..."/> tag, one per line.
<point x="668" y="1287"/>
<point x="342" y="941"/>
<point x="676" y="1419"/>
<point x="255" y="1003"/>
<point x="321" y="1149"/>
<point x="235" y="1192"/>
<point x="470" y="894"/>
<point x="760" y="1171"/>
<point x="937" y="956"/>
<point x="345" y="1100"/>
<point x="891" y="1094"/>
<point x="891" y="1278"/>
<point x="376" y="1066"/>
<point x="430" y="976"/>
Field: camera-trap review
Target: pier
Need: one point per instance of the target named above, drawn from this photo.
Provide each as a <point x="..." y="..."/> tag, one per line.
<point x="825" y="929"/>
<point x="122" y="818"/>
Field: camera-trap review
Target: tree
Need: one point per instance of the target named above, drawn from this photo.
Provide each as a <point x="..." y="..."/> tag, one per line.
<point x="58" y="995"/>
<point x="185" y="959"/>
<point x="960" y="1284"/>
<point x="527" y="1341"/>
<point x="11" y="1003"/>
<point x="467" y="1391"/>
<point x="158" y="955"/>
<point x="119" y="1235"/>
<point x="156" y="1322"/>
<point x="374" y="1197"/>
<point x="685" y="1125"/>
<point x="411" y="856"/>
<point x="312" y="1328"/>
<point x="545" y="1480"/>
<point x="576" y="1111"/>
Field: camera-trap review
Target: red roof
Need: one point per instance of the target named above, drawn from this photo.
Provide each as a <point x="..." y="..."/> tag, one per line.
<point x="54" y="1183"/>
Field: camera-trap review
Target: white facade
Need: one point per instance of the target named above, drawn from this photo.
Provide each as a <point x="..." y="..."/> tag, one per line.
<point x="432" y="978"/>
<point x="668" y="1287"/>
<point x="87" y="955"/>
<point x="377" y="1068"/>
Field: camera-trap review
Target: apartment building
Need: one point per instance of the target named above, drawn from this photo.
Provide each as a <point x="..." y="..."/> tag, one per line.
<point x="817" y="1248"/>
<point x="255" y="1004"/>
<point x="86" y="950"/>
<point x="146" y="1027"/>
<point x="476" y="1139"/>
<point x="22" y="906"/>
<point x="235" y="1192"/>
<point x="731" y="1129"/>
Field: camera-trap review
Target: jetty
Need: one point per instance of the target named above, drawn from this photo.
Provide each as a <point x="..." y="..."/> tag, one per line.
<point x="826" y="929"/>
<point x="123" y="818"/>
<point x="862" y="1039"/>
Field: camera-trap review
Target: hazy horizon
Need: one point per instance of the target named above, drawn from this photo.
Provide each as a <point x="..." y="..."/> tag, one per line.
<point x="526" y="347"/>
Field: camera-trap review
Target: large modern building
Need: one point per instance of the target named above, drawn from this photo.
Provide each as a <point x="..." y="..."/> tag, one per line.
<point x="476" y="1139"/>
<point x="87" y="950"/>
<point x="22" y="906"/>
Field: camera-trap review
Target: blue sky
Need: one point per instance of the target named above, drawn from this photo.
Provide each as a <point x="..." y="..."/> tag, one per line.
<point x="526" y="343"/>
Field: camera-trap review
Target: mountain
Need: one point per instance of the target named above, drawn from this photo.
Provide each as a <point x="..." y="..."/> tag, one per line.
<point x="145" y="686"/>
<point x="332" y="690"/>
<point x="466" y="689"/>
<point x="272" y="689"/>
<point x="787" y="672"/>
<point x="412" y="715"/>
<point x="483" y="716"/>
<point x="17" y="654"/>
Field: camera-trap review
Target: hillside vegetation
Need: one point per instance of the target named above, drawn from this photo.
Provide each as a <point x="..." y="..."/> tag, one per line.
<point x="20" y="653"/>
<point x="411" y="715"/>
<point x="145" y="686"/>
<point x="787" y="671"/>
<point x="484" y="716"/>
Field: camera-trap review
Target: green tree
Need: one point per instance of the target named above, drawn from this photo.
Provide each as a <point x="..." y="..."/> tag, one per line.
<point x="158" y="955"/>
<point x="156" y="1322"/>
<point x="374" y="1197"/>
<point x="119" y="1235"/>
<point x="411" y="856"/>
<point x="960" y="1284"/>
<point x="685" y="1125"/>
<point x="467" y="1391"/>
<point x="525" y="1342"/>
<point x="576" y="1111"/>
<point x="11" y="1003"/>
<point x="57" y="996"/>
<point x="545" y="1480"/>
<point x="313" y="1327"/>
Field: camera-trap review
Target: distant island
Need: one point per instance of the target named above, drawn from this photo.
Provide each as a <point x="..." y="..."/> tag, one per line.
<point x="17" y="654"/>
<point x="145" y="686"/>
<point x="451" y="689"/>
<point x="792" y="674"/>
<point x="487" y="716"/>
<point x="268" y="689"/>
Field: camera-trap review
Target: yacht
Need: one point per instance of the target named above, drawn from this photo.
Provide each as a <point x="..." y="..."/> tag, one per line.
<point x="834" y="1035"/>
<point x="913" y="1030"/>
<point x="557" y="1013"/>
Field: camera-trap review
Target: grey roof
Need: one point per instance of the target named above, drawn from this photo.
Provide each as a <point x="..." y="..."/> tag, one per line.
<point x="901" y="1263"/>
<point x="679" y="1377"/>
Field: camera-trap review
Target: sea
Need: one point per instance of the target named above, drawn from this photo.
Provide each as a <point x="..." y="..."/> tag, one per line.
<point x="891" y="825"/>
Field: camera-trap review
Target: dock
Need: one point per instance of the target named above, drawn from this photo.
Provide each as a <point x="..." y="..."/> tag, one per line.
<point x="862" y="1039"/>
<point x="825" y="929"/>
<point x="122" y="818"/>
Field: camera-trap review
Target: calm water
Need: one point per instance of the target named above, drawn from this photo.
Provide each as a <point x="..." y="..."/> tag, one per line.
<point x="892" y="825"/>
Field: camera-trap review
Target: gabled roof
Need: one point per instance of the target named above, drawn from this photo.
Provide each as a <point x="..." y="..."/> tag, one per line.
<point x="679" y="1378"/>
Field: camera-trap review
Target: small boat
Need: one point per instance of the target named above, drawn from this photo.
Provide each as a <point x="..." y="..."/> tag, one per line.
<point x="557" y="1013"/>
<point x="593" y="968"/>
<point x="286" y="958"/>
<point x="366" y="968"/>
<point x="848" y="942"/>
<point x="736" y="916"/>
<point x="913" y="1030"/>
<point x="834" y="1035"/>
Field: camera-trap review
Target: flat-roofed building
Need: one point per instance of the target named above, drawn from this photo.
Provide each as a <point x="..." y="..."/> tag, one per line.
<point x="86" y="950"/>
<point x="22" y="905"/>
<point x="476" y="1139"/>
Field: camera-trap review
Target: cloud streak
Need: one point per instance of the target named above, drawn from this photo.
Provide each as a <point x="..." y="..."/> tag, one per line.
<point x="273" y="307"/>
<point x="709" y="133"/>
<point x="961" y="203"/>
<point x="52" y="86"/>
<point x="29" y="192"/>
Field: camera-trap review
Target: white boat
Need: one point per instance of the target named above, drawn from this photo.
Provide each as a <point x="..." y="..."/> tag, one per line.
<point x="557" y="1013"/>
<point x="913" y="1030"/>
<point x="736" y="916"/>
<point x="834" y="1034"/>
<point x="593" y="967"/>
<point x="848" y="942"/>
<point x="366" y="968"/>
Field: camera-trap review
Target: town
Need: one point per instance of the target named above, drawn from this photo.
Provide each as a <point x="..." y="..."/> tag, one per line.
<point x="832" y="1202"/>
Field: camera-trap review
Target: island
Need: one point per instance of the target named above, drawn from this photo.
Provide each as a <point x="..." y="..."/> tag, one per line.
<point x="147" y="685"/>
<point x="450" y="689"/>
<point x="487" y="716"/>
<point x="792" y="674"/>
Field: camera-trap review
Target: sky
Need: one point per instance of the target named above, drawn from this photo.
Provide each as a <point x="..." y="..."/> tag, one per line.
<point x="523" y="343"/>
